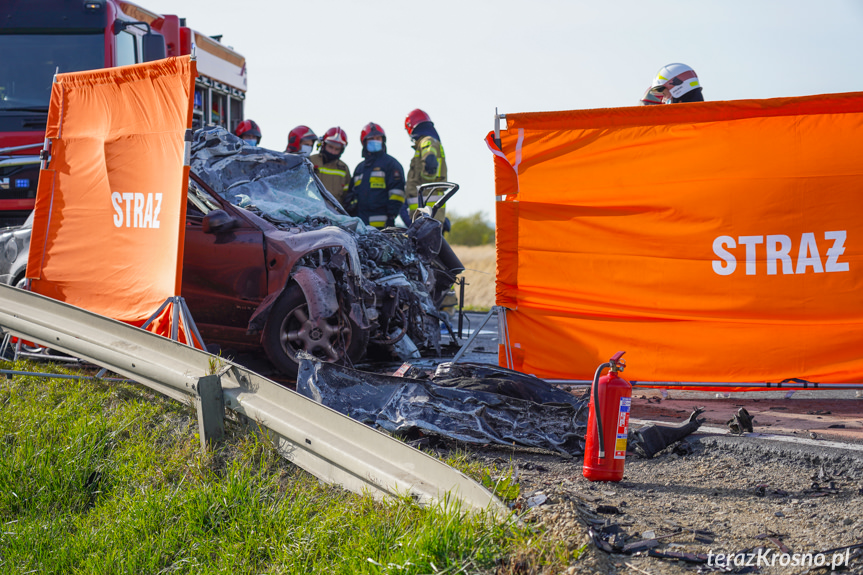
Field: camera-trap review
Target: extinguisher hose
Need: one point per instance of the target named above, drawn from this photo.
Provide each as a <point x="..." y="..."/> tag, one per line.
<point x="595" y="398"/>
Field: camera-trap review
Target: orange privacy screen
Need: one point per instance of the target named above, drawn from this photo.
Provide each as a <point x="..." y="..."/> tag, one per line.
<point x="714" y="242"/>
<point x="107" y="231"/>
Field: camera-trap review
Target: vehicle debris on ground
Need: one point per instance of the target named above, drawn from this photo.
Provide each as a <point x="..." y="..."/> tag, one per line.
<point x="474" y="403"/>
<point x="470" y="402"/>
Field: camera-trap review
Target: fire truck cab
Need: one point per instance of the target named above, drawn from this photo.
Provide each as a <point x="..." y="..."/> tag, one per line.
<point x="39" y="38"/>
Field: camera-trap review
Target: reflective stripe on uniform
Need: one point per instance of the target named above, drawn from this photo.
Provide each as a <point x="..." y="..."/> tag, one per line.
<point x="378" y="179"/>
<point x="397" y="195"/>
<point x="332" y="172"/>
<point x="378" y="221"/>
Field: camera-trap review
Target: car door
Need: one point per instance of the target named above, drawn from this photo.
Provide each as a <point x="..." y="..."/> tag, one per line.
<point x="224" y="273"/>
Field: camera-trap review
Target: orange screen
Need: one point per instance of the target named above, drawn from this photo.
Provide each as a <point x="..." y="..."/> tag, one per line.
<point x="714" y="242"/>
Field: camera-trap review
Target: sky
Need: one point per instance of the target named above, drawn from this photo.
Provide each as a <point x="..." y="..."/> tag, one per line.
<point x="347" y="63"/>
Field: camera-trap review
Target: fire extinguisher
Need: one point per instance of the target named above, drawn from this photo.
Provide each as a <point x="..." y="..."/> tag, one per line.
<point x="607" y="423"/>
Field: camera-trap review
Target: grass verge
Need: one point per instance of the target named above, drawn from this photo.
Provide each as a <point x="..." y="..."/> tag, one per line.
<point x="99" y="477"/>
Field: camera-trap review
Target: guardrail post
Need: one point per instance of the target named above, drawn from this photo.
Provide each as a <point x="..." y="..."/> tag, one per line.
<point x="211" y="410"/>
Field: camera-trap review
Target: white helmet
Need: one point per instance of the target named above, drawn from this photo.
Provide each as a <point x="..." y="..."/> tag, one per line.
<point x="675" y="80"/>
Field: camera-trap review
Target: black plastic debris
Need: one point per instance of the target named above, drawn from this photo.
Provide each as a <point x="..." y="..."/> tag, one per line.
<point x="651" y="439"/>
<point x="741" y="422"/>
<point x="641" y="545"/>
<point x="608" y="510"/>
<point x="502" y="381"/>
<point x="478" y="404"/>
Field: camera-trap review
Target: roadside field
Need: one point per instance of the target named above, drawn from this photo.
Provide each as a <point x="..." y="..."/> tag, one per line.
<point x="479" y="262"/>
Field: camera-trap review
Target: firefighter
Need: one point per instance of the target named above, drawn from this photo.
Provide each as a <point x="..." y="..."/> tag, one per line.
<point x="300" y="141"/>
<point x="249" y="132"/>
<point x="332" y="171"/>
<point x="377" y="190"/>
<point x="674" y="84"/>
<point x="428" y="163"/>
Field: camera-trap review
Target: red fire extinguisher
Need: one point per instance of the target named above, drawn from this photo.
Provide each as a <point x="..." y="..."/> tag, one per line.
<point x="607" y="423"/>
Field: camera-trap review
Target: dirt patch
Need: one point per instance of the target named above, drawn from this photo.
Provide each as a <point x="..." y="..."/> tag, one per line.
<point x="479" y="262"/>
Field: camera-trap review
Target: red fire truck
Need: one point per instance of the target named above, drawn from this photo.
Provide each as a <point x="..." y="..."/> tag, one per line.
<point x="39" y="38"/>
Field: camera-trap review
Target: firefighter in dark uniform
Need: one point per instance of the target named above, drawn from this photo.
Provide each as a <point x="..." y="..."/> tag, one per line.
<point x="378" y="186"/>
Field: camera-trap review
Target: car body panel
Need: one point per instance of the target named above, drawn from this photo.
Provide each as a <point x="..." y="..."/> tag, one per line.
<point x="14" y="247"/>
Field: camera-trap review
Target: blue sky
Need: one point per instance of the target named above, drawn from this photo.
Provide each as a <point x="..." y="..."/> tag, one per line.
<point x="348" y="63"/>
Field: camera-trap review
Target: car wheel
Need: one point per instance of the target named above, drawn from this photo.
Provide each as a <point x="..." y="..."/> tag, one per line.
<point x="290" y="330"/>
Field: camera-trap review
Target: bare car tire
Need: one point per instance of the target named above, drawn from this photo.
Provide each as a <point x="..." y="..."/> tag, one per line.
<point x="289" y="329"/>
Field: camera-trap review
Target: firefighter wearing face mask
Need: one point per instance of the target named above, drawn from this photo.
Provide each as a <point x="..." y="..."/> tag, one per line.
<point x="428" y="163"/>
<point x="378" y="187"/>
<point x="249" y="131"/>
<point x="300" y="141"/>
<point x="334" y="174"/>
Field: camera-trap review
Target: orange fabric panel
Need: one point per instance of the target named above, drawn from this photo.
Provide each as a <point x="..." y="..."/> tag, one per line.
<point x="717" y="241"/>
<point x="506" y="218"/>
<point x="110" y="207"/>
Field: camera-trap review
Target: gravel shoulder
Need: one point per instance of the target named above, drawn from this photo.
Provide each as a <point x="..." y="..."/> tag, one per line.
<point x="709" y="495"/>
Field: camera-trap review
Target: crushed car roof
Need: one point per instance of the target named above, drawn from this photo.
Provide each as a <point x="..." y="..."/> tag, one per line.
<point x="280" y="186"/>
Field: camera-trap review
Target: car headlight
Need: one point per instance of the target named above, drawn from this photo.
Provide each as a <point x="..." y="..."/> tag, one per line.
<point x="10" y="252"/>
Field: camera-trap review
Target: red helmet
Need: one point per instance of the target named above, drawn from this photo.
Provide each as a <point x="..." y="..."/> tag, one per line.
<point x="297" y="135"/>
<point x="248" y="128"/>
<point x="336" y="136"/>
<point x="372" y="129"/>
<point x="414" y="118"/>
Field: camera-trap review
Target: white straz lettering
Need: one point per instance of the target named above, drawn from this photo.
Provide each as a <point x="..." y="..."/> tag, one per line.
<point x="777" y="253"/>
<point x="136" y="210"/>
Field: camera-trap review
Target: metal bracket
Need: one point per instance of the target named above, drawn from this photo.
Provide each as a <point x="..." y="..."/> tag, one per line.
<point x="503" y="330"/>
<point x="497" y="119"/>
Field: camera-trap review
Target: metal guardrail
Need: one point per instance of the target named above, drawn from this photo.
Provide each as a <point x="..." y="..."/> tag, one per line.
<point x="327" y="444"/>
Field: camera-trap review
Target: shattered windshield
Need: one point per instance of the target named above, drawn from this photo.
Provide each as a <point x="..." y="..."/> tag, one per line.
<point x="280" y="187"/>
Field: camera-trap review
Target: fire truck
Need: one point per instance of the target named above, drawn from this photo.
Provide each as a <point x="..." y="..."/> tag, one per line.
<point x="39" y="38"/>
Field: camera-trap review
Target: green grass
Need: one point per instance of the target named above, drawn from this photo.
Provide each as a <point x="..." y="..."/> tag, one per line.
<point x="99" y="477"/>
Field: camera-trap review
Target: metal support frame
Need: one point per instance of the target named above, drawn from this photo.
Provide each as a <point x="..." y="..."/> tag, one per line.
<point x="19" y="148"/>
<point x="180" y="312"/>
<point x="503" y="331"/>
<point x="461" y="282"/>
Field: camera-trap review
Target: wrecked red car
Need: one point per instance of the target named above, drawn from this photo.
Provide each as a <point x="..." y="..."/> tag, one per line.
<point x="273" y="262"/>
<point x="233" y="260"/>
